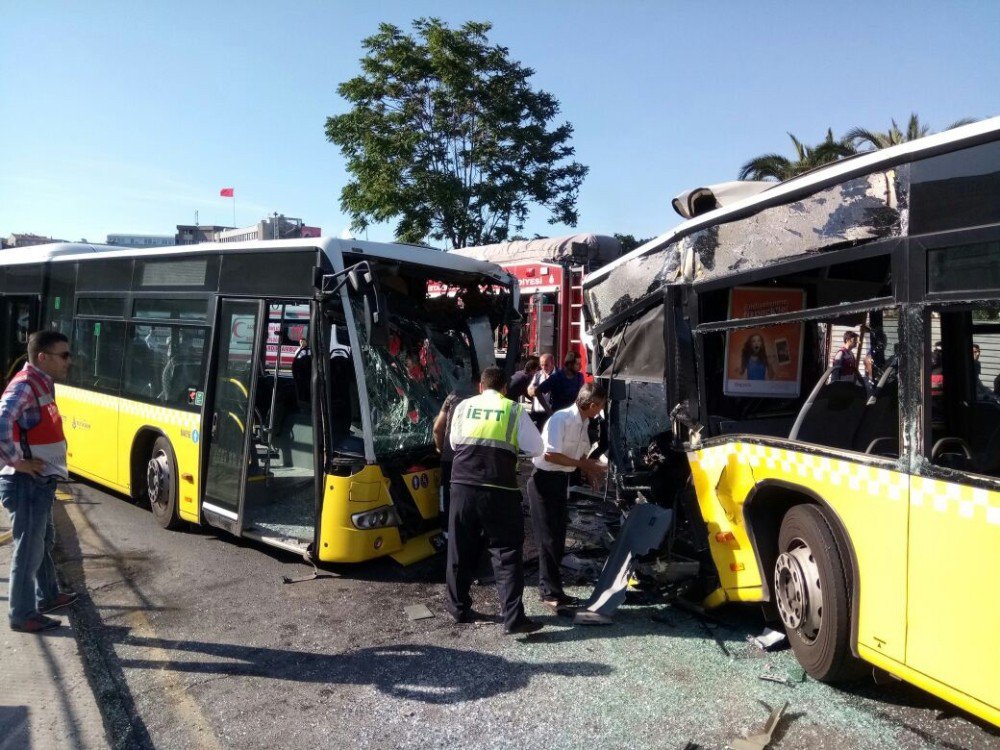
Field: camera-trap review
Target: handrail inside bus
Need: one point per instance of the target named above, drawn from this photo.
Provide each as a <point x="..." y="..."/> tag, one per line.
<point x="794" y="434"/>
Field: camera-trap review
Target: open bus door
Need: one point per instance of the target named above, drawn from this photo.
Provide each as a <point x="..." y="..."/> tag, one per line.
<point x="237" y="355"/>
<point x="261" y="465"/>
<point x="20" y="318"/>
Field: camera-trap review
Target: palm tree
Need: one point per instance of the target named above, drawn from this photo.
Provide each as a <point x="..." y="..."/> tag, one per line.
<point x="863" y="139"/>
<point x="780" y="168"/>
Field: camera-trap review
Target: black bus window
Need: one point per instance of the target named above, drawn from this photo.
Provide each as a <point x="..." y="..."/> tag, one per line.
<point x="963" y="354"/>
<point x="98" y="347"/>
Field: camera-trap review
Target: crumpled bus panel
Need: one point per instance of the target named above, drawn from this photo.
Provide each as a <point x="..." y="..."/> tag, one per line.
<point x="630" y="282"/>
<point x="860" y="210"/>
<point x="722" y="480"/>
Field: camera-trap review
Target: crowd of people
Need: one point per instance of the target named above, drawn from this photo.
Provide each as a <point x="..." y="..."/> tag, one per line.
<point x="542" y="413"/>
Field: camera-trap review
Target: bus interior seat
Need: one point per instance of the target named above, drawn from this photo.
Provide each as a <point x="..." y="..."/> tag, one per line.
<point x="178" y="376"/>
<point x="835" y="415"/>
<point x="880" y="422"/>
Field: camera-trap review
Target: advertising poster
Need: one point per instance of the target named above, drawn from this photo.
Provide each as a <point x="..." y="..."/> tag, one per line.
<point x="764" y="361"/>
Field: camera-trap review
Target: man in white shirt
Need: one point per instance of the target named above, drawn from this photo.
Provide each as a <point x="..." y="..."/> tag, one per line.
<point x="567" y="445"/>
<point x="540" y="405"/>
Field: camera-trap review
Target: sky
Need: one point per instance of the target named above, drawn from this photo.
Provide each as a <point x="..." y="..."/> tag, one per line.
<point x="130" y="117"/>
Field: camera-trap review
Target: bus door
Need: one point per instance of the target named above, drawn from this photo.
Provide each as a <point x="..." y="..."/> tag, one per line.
<point x="953" y="613"/>
<point x="20" y="318"/>
<point x="230" y="421"/>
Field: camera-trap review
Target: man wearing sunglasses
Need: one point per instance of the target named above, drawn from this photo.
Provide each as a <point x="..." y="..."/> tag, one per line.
<point x="32" y="457"/>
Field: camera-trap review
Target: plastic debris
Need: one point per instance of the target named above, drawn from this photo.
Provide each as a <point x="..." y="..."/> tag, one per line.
<point x="769" y="640"/>
<point x="417" y="612"/>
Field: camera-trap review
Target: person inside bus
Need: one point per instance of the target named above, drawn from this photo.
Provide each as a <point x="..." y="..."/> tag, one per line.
<point x="181" y="373"/>
<point x="846" y="361"/>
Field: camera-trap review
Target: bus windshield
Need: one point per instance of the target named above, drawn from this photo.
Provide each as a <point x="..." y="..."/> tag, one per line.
<point x="427" y="350"/>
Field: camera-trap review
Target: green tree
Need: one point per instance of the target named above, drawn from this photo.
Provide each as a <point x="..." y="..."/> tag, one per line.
<point x="447" y="137"/>
<point x="863" y="139"/>
<point x="629" y="242"/>
<point x="778" y="167"/>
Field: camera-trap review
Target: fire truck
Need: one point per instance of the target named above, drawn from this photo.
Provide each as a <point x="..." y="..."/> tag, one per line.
<point x="550" y="273"/>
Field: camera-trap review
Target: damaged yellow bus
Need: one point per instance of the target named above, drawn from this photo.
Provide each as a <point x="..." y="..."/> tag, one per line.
<point x="826" y="353"/>
<point x="283" y="391"/>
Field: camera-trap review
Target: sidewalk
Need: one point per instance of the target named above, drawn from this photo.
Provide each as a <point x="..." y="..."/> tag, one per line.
<point x="45" y="699"/>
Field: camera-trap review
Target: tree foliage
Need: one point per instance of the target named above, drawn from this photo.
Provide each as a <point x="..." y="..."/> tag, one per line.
<point x="629" y="242"/>
<point x="863" y="139"/>
<point x="778" y="167"/>
<point x="830" y="149"/>
<point x="447" y="137"/>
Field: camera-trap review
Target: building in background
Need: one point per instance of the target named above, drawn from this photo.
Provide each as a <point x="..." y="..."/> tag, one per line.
<point x="142" y="240"/>
<point x="275" y="227"/>
<point x="24" y="240"/>
<point x="193" y="234"/>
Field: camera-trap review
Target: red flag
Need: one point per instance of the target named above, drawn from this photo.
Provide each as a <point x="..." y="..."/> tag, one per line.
<point x="227" y="193"/>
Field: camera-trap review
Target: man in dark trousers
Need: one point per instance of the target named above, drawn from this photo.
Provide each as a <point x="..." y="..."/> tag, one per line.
<point x="32" y="457"/>
<point x="567" y="447"/>
<point x="487" y="432"/>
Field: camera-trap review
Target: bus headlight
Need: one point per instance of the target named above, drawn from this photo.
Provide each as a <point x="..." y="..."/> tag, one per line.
<point x="376" y="519"/>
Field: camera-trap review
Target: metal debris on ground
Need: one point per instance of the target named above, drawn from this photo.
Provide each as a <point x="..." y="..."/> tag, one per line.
<point x="586" y="617"/>
<point x="417" y="612"/>
<point x="776" y="678"/>
<point x="769" y="640"/>
<point x="762" y="738"/>
<point x="642" y="532"/>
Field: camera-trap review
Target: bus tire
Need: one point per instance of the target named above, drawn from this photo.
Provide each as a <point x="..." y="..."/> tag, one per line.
<point x="810" y="585"/>
<point x="161" y="484"/>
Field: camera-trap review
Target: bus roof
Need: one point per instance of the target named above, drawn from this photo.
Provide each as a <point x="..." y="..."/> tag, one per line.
<point x="790" y="190"/>
<point x="331" y="246"/>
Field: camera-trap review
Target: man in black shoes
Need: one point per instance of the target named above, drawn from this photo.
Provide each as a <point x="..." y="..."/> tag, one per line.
<point x="487" y="432"/>
<point x="567" y="445"/>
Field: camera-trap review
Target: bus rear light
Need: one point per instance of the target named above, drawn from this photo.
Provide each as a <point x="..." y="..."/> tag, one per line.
<point x="737" y="567"/>
<point x="376" y="519"/>
<point x="725" y="537"/>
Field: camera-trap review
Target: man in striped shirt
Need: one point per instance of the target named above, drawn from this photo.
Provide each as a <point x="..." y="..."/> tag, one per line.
<point x="32" y="457"/>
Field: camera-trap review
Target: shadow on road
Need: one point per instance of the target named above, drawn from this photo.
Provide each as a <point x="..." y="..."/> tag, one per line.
<point x="430" y="674"/>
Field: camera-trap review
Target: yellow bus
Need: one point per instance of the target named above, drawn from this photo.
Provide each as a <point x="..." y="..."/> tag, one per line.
<point x="282" y="391"/>
<point x="817" y="345"/>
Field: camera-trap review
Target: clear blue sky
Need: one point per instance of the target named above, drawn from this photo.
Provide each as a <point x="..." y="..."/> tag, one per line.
<point x="129" y="117"/>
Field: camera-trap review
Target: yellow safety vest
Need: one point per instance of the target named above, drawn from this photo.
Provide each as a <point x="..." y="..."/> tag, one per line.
<point x="484" y="437"/>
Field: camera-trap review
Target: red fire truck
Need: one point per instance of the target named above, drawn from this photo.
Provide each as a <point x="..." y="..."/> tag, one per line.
<point x="551" y="273"/>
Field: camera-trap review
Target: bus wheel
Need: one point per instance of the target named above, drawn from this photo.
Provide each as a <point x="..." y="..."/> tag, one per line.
<point x="810" y="586"/>
<point x="161" y="484"/>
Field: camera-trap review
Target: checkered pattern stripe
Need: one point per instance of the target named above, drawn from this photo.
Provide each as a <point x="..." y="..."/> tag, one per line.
<point x="970" y="503"/>
<point x="152" y="413"/>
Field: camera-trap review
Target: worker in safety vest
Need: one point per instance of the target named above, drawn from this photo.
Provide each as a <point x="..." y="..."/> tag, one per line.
<point x="487" y="432"/>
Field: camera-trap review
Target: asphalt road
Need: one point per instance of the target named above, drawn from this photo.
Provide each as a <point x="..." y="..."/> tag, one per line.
<point x="193" y="641"/>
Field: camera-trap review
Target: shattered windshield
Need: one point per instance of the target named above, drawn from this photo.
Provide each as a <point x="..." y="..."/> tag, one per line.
<point x="423" y="351"/>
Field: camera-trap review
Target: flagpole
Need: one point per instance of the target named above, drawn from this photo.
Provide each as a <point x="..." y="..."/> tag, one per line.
<point x="234" y="209"/>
